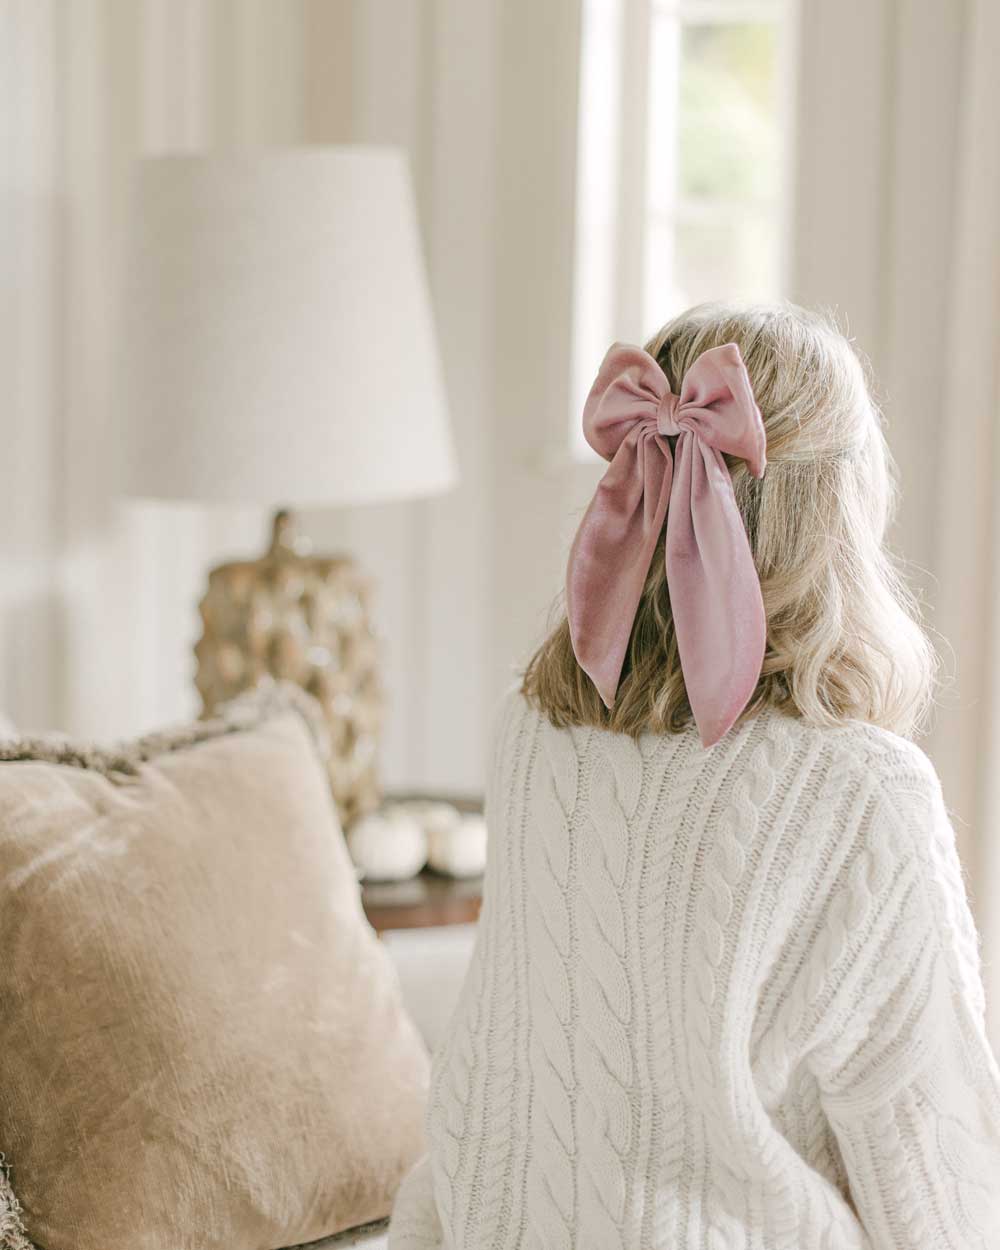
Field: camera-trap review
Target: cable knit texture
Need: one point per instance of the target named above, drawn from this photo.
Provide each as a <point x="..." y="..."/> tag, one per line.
<point x="719" y="1000"/>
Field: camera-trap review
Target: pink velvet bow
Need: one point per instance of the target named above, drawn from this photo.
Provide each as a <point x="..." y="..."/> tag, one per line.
<point x="713" y="584"/>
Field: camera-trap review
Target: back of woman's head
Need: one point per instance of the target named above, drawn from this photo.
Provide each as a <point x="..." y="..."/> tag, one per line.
<point x="843" y="639"/>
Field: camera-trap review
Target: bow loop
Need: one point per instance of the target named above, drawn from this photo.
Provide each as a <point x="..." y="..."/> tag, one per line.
<point x="717" y="404"/>
<point x="627" y="391"/>
<point x="714" y="590"/>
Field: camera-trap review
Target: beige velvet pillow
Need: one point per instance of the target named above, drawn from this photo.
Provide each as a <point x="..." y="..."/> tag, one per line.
<point x="202" y="1042"/>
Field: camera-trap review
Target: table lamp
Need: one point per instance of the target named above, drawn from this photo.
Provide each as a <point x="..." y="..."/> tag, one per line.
<point x="278" y="348"/>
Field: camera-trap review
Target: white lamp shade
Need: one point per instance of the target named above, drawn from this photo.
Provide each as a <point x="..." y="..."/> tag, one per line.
<point x="277" y="338"/>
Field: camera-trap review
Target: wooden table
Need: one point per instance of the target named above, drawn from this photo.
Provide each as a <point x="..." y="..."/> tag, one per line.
<point x="429" y="898"/>
<point x="421" y="901"/>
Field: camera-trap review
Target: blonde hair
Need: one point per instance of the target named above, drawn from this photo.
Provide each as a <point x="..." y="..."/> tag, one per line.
<point x="843" y="635"/>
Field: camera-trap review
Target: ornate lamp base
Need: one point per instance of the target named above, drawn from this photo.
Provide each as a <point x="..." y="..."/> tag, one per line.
<point x="298" y="617"/>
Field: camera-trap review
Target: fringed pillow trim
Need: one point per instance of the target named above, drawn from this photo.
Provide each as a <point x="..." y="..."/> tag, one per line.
<point x="12" y="1234"/>
<point x="247" y="711"/>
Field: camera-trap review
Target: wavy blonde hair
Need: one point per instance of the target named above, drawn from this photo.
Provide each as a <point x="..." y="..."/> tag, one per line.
<point x="844" y="640"/>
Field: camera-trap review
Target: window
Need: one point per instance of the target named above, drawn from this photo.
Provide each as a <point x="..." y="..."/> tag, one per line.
<point x="682" y="164"/>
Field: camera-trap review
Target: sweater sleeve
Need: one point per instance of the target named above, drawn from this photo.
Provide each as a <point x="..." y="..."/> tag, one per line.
<point x="910" y="1085"/>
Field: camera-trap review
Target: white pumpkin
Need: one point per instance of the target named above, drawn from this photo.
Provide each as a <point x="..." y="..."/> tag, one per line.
<point x="389" y="845"/>
<point x="438" y="818"/>
<point x="458" y="847"/>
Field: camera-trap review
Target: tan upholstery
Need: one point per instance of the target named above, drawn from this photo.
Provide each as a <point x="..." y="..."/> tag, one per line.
<point x="202" y="1043"/>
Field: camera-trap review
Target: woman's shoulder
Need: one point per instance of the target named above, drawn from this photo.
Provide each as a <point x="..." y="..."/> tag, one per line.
<point x="510" y="706"/>
<point x="901" y="823"/>
<point x="863" y="755"/>
<point x="886" y="761"/>
<point x="886" y="758"/>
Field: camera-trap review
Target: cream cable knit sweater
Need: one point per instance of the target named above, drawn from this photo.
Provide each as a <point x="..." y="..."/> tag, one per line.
<point x="720" y="1000"/>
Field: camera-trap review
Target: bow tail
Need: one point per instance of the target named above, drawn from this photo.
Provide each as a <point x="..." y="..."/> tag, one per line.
<point x="611" y="555"/>
<point x="714" y="589"/>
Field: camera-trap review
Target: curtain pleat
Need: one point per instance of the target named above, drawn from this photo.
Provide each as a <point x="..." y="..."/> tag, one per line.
<point x="965" y="742"/>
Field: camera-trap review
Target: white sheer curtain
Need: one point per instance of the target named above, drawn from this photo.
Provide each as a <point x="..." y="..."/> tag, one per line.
<point x="97" y="597"/>
<point x="97" y="600"/>
<point x="966" y="499"/>
<point x="897" y="227"/>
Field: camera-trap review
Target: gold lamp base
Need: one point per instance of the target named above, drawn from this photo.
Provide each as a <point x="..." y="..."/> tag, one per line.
<point x="303" y="618"/>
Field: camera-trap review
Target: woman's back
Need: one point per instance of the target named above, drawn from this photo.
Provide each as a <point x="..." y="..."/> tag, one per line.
<point x="719" y="998"/>
<point x="725" y="993"/>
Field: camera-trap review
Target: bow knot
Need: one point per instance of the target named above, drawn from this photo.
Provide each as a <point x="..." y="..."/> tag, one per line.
<point x="714" y="590"/>
<point x="666" y="414"/>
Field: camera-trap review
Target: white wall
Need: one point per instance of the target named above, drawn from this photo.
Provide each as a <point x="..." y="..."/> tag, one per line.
<point x="97" y="598"/>
<point x="29" y="323"/>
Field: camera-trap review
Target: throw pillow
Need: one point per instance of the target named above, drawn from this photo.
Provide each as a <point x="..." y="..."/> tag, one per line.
<point x="202" y="1042"/>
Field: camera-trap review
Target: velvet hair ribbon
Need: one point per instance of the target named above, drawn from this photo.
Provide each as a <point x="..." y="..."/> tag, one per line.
<point x="714" y="589"/>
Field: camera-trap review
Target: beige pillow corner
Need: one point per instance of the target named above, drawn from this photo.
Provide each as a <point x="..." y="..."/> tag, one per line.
<point x="202" y="1042"/>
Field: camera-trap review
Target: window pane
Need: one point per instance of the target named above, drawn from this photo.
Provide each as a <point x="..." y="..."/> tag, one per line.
<point x="719" y="10"/>
<point x="727" y="257"/>
<point x="662" y="125"/>
<point x="728" y="131"/>
<point x="705" y="152"/>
